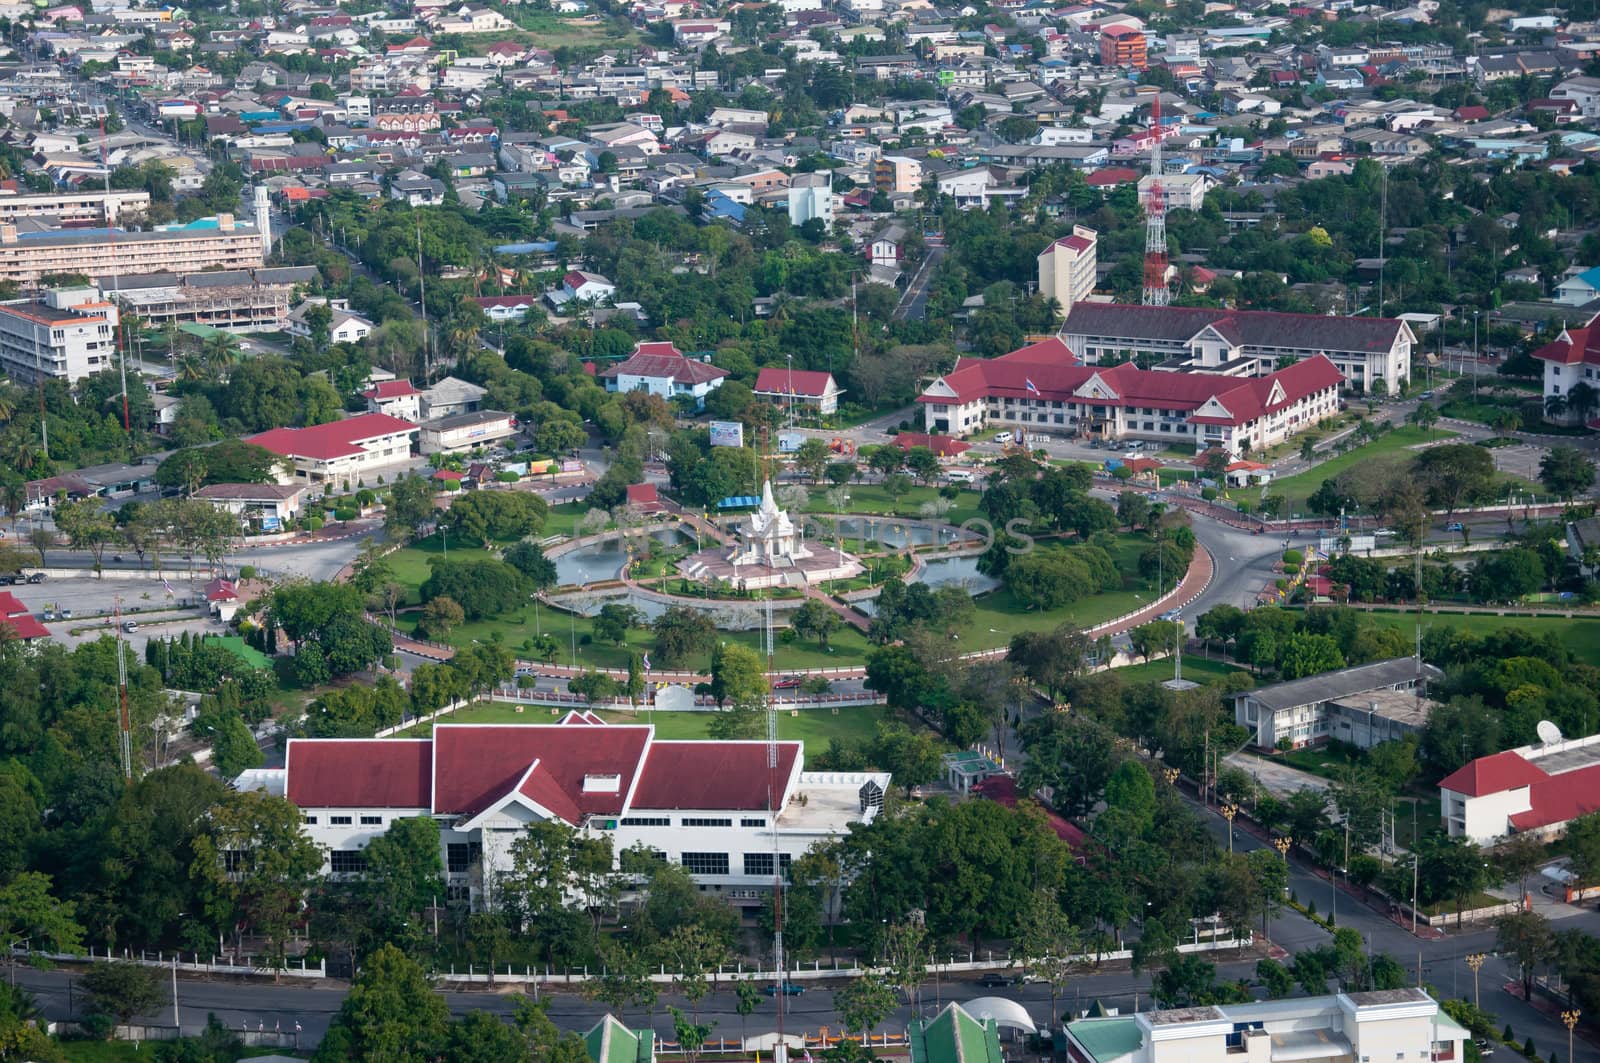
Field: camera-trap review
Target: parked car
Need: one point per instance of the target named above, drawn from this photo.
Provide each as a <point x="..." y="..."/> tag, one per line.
<point x="1484" y="1045"/>
<point x="787" y="683"/>
<point x="49" y="614"/>
<point x="790" y="989"/>
<point x="995" y="980"/>
<point x="1002" y="437"/>
<point x="66" y="614"/>
<point x="37" y="577"/>
<point x="130" y="626"/>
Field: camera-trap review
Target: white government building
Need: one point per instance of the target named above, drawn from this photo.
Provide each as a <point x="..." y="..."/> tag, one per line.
<point x="707" y="805"/>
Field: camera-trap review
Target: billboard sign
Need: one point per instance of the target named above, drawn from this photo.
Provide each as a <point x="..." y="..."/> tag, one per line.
<point x="727" y="433"/>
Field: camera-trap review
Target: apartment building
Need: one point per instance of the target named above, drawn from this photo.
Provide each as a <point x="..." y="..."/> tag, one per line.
<point x="1123" y="47"/>
<point x="897" y="174"/>
<point x="717" y="808"/>
<point x="75" y="208"/>
<point x="1404" y="1025"/>
<point x="1373" y="353"/>
<point x="231" y="300"/>
<point x="67" y="335"/>
<point x="1043" y="387"/>
<point x="29" y="254"/>
<point x="1067" y="267"/>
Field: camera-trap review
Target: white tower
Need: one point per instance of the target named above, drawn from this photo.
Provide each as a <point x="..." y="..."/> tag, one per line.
<point x="264" y="221"/>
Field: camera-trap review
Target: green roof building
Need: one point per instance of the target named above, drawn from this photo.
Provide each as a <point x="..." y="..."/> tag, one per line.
<point x="611" y="1042"/>
<point x="954" y="1036"/>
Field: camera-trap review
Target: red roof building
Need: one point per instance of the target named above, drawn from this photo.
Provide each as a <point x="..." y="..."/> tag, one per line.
<point x="661" y="369"/>
<point x="341" y="452"/>
<point x="1535" y="789"/>
<point x="812" y="389"/>
<point x="17" y="622"/>
<point x="1112" y="177"/>
<point x="1044" y="388"/>
<point x="644" y="498"/>
<point x="708" y="805"/>
<point x="942" y="446"/>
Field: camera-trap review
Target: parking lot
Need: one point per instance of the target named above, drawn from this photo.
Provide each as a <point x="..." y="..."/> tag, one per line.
<point x="91" y="603"/>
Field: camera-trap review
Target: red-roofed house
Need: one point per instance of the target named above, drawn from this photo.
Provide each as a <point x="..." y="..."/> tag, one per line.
<point x="397" y="398"/>
<point x="814" y="390"/>
<point x="644" y="498"/>
<point x="1571" y="358"/>
<point x="1043" y="388"/>
<point x="661" y="369"/>
<point x="17" y="622"/>
<point x="1113" y="177"/>
<point x="506" y="307"/>
<point x="342" y="452"/>
<point x="1535" y="789"/>
<point x="707" y="805"/>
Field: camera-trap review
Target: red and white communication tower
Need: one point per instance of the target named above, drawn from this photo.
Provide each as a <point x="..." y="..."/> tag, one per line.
<point x="1156" y="292"/>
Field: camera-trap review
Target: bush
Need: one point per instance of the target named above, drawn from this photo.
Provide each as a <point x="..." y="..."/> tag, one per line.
<point x="506" y="476"/>
<point x="343" y="515"/>
<point x="313" y="524"/>
<point x="247" y="572"/>
<point x="1292" y="570"/>
<point x="1208" y="493"/>
<point x="366" y="497"/>
<point x="1293" y="557"/>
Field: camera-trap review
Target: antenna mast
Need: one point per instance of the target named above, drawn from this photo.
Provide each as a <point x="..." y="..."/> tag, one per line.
<point x="124" y="721"/>
<point x="116" y="285"/>
<point x="774" y="803"/>
<point x="1156" y="292"/>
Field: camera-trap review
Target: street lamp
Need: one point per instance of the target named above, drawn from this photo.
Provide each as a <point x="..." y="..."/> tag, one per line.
<point x="1171" y="775"/>
<point x="1230" y="810"/>
<point x="1569" y="1019"/>
<point x="1283" y="845"/>
<point x="1475" y="961"/>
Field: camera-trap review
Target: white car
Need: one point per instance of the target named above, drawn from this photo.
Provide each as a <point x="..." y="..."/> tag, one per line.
<point x="1002" y="437"/>
<point x="959" y="476"/>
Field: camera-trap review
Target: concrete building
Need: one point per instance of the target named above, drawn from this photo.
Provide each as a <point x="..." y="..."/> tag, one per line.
<point x="1123" y="47"/>
<point x="714" y="807"/>
<point x="1363" y="706"/>
<point x="1535" y="789"/>
<point x="1384" y="1024"/>
<point x="451" y="396"/>
<point x="897" y="175"/>
<point x="1067" y="267"/>
<point x="465" y="431"/>
<point x="75" y="208"/>
<point x="263" y="507"/>
<point x="343" y="453"/>
<point x="661" y="369"/>
<point x="27" y="254"/>
<point x="67" y="335"/>
<point x="230" y="300"/>
<point x="1043" y="388"/>
<point x="810" y="195"/>
<point x="1373" y="353"/>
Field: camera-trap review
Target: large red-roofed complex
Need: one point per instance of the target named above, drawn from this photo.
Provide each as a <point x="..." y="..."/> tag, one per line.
<point x="705" y="804"/>
<point x="341" y="452"/>
<point x="1535" y="789"/>
<point x="1043" y="387"/>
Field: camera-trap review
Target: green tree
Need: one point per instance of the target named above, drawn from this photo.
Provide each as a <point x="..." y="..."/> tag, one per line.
<point x="390" y="1013"/>
<point x="256" y="867"/>
<point x="681" y="632"/>
<point x="739" y="686"/>
<point x="815" y="620"/>
<point x="87" y="527"/>
<point x="1050" y="945"/>
<point x="812" y="458"/>
<point x="28" y="912"/>
<point x="121" y="991"/>
<point x="863" y="1003"/>
<point x="1527" y="937"/>
<point x="1566" y="471"/>
<point x="410" y="505"/>
<point x="234" y="748"/>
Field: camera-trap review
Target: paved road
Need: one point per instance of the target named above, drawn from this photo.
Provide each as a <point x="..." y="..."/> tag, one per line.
<point x="914" y="303"/>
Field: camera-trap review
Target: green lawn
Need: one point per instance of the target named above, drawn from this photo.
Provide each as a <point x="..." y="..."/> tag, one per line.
<point x="848" y="646"/>
<point x="873" y="499"/>
<point x="1581" y="635"/>
<point x="1296" y="489"/>
<point x="814" y="727"/>
<point x="245" y="652"/>
<point x="1196" y="668"/>
<point x="564" y="519"/>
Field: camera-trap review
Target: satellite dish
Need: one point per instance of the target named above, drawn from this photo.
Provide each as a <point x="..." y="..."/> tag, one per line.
<point x="1549" y="733"/>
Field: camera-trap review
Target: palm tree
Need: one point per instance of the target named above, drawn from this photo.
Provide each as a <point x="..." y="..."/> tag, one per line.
<point x="1582" y="400"/>
<point x="1426" y="415"/>
<point x="8" y="403"/>
<point x="1555" y="407"/>
<point x="192" y="367"/>
<point x="1506" y="422"/>
<point x="221" y="351"/>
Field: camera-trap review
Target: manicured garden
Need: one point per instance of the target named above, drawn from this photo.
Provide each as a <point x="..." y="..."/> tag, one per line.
<point x="814" y="727"/>
<point x="1296" y="489"/>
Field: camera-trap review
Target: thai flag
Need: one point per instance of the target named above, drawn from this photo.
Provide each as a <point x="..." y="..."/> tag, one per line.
<point x="1031" y="389"/>
<point x="645" y="660"/>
